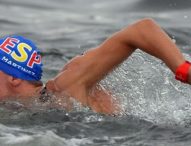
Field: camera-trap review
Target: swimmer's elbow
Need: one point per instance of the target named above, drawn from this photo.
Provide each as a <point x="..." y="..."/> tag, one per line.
<point x="136" y="31"/>
<point x="145" y="23"/>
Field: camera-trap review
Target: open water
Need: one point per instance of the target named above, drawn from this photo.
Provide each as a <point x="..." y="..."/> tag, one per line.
<point x="157" y="109"/>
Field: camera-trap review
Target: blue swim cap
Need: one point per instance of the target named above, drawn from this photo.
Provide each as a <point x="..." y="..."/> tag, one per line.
<point x="20" y="58"/>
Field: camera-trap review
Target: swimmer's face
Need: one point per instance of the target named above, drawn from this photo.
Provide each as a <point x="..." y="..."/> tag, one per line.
<point x="4" y="88"/>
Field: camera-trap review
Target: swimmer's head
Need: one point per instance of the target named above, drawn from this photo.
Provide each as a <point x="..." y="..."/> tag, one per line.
<point x="20" y="58"/>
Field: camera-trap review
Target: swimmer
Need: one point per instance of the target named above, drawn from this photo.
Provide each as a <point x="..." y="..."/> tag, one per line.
<point x="21" y="66"/>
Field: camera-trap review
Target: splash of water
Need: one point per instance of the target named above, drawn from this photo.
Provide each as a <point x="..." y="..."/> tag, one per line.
<point x="147" y="89"/>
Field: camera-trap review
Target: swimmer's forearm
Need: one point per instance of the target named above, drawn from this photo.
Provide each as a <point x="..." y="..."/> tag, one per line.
<point x="150" y="38"/>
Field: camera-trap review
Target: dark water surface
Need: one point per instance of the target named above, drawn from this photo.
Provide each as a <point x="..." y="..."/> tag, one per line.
<point x="157" y="109"/>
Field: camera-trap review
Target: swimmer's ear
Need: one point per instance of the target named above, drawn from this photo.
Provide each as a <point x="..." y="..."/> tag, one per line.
<point x="14" y="81"/>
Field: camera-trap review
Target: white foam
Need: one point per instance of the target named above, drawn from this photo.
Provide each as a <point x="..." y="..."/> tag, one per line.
<point x="147" y="89"/>
<point x="21" y="137"/>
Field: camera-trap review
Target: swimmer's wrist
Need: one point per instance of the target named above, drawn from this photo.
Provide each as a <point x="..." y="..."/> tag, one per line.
<point x="183" y="71"/>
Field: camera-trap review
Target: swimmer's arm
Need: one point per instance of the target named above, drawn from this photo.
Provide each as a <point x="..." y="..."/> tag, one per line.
<point x="83" y="72"/>
<point x="88" y="69"/>
<point x="145" y="35"/>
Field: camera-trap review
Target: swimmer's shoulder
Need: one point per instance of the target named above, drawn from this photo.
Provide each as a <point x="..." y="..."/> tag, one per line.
<point x="71" y="78"/>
